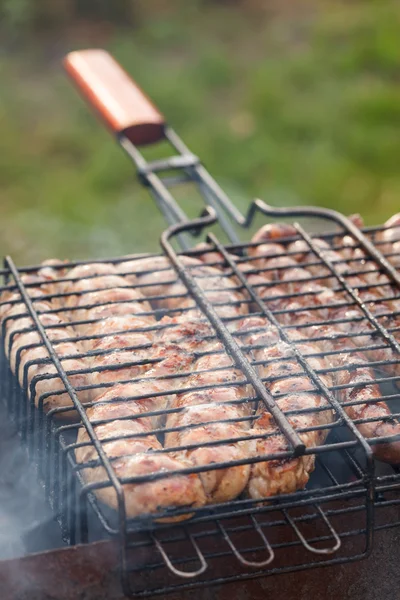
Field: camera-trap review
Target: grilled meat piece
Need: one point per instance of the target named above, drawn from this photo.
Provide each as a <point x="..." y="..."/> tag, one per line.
<point x="361" y="397"/>
<point x="141" y="453"/>
<point x="294" y="391"/>
<point x="212" y="420"/>
<point x="390" y="238"/>
<point x="137" y="452"/>
<point x="160" y="283"/>
<point x="335" y="305"/>
<point x="118" y="338"/>
<point x="27" y="353"/>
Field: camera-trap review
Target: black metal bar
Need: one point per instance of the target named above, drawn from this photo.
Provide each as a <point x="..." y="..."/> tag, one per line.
<point x="199" y="175"/>
<point x="238" y="247"/>
<point x="231" y="509"/>
<point x="249" y="563"/>
<point x="306" y="544"/>
<point x="230" y="344"/>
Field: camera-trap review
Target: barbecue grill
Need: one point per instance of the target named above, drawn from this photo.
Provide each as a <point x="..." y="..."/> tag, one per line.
<point x="350" y="495"/>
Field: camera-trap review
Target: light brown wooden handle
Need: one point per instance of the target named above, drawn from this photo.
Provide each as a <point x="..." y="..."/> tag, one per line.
<point x="115" y="96"/>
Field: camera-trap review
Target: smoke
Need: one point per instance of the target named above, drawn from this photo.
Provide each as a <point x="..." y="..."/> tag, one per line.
<point x="26" y="524"/>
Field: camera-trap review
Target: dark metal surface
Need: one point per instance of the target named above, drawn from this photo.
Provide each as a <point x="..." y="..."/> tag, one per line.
<point x="90" y="572"/>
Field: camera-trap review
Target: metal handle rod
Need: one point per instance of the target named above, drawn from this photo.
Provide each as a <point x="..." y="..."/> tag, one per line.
<point x="165" y="201"/>
<point x="209" y="188"/>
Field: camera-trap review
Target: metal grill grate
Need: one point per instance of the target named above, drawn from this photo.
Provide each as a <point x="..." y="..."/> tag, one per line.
<point x="311" y="523"/>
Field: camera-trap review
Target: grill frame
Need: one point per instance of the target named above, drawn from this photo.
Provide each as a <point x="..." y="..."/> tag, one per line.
<point x="71" y="515"/>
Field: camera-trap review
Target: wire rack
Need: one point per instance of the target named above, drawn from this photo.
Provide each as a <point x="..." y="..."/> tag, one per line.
<point x="331" y="521"/>
<point x="349" y="494"/>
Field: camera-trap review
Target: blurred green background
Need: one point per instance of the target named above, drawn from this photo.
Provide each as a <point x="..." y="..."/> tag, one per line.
<point x="288" y="100"/>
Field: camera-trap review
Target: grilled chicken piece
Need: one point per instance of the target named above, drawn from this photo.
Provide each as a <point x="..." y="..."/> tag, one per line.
<point x="82" y="290"/>
<point x="210" y="256"/>
<point x="96" y="292"/>
<point x="293" y="390"/>
<point x="158" y="281"/>
<point x="11" y="298"/>
<point x="388" y="243"/>
<point x="165" y="290"/>
<point x="141" y="453"/>
<point x="348" y="317"/>
<point x="213" y="415"/>
<point x="110" y="303"/>
<point x="23" y="344"/>
<point x="118" y="340"/>
<point x="54" y="271"/>
<point x="25" y="324"/>
<point x="123" y="356"/>
<point x="374" y="297"/>
<point x="360" y="398"/>
<point x="88" y="278"/>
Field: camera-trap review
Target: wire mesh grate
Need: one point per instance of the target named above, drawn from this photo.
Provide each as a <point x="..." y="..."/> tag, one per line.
<point x="243" y="528"/>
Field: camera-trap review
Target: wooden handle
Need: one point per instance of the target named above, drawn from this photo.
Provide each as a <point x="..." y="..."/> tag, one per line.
<point x="115" y="96"/>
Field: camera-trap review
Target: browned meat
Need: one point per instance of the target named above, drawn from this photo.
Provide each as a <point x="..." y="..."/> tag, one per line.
<point x="358" y="400"/>
<point x="24" y="344"/>
<point x="207" y="417"/>
<point x="348" y="317"/>
<point x="390" y="236"/>
<point x="104" y="328"/>
<point x="164" y="290"/>
<point x="293" y="390"/>
<point x="134" y="456"/>
<point x="119" y="342"/>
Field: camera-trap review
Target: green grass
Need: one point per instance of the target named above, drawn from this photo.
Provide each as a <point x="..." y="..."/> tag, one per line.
<point x="302" y="107"/>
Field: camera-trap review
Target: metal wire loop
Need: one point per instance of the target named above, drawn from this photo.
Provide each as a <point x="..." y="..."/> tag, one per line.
<point x="303" y="540"/>
<point x="174" y="570"/>
<point x="240" y="557"/>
